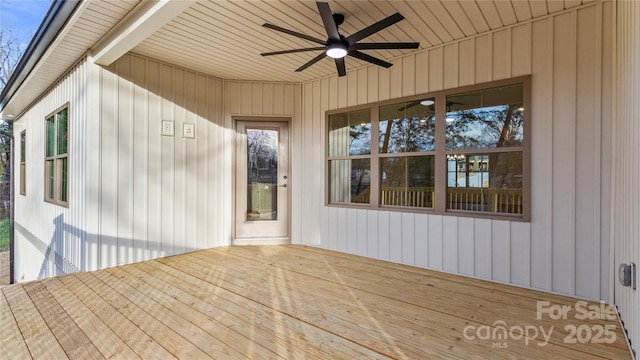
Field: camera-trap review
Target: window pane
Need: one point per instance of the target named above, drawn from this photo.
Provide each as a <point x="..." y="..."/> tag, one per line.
<point x="63" y="179"/>
<point x="51" y="136"/>
<point x="407" y="127"/>
<point x="49" y="178"/>
<point x="23" y="143"/>
<point x="349" y="181"/>
<point x="490" y="118"/>
<point x="350" y="133"/>
<point x="62" y="132"/>
<point x="485" y="182"/>
<point x="262" y="174"/>
<point x="407" y="181"/>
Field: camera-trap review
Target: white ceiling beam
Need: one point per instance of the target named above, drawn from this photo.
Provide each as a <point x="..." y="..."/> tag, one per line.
<point x="142" y="22"/>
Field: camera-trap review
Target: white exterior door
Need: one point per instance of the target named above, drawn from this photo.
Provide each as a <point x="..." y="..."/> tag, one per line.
<point x="261" y="192"/>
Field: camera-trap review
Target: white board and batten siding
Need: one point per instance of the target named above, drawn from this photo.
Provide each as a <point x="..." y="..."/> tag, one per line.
<point x="145" y="195"/>
<point x="48" y="237"/>
<point x="565" y="246"/>
<point x="163" y="195"/>
<point x="625" y="212"/>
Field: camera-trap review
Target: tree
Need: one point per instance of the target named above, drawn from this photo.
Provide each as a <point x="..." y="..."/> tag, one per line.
<point x="11" y="49"/>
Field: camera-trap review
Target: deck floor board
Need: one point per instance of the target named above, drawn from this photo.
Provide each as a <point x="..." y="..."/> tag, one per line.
<point x="284" y="302"/>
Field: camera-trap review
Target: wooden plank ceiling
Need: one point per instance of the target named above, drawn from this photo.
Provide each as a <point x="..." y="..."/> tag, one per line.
<point x="225" y="38"/>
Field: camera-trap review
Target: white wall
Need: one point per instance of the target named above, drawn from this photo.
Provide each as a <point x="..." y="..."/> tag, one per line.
<point x="134" y="194"/>
<point x="565" y="247"/>
<point x="41" y="227"/>
<point x="626" y="161"/>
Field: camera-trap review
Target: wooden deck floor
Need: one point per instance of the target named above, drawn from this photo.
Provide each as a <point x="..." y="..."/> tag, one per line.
<point x="288" y="302"/>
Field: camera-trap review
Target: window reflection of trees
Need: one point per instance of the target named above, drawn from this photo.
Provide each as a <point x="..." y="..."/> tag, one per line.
<point x="490" y="127"/>
<point x="262" y="146"/>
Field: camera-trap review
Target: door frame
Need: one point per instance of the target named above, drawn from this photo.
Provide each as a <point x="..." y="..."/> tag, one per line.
<point x="290" y="181"/>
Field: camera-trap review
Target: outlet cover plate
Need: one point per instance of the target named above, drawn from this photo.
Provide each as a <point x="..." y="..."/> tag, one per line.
<point x="167" y="128"/>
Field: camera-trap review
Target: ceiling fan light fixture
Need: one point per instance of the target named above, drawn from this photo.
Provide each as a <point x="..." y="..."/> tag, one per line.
<point x="427" y="102"/>
<point x="336" y="51"/>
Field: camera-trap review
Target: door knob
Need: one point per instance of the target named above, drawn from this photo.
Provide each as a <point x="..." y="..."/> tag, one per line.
<point x="283" y="185"/>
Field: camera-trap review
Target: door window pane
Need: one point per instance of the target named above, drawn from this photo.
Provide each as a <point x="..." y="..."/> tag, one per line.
<point x="349" y="181"/>
<point x="350" y="133"/>
<point x="262" y="174"/>
<point x="407" y="181"/>
<point x="407" y="127"/>
<point x="490" y="118"/>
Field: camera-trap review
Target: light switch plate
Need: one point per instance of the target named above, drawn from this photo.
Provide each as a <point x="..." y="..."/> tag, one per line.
<point x="167" y="128"/>
<point x="188" y="130"/>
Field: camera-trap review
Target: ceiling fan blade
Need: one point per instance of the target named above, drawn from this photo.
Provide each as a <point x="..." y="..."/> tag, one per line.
<point x="342" y="71"/>
<point x="327" y="20"/>
<point x="312" y="61"/>
<point x="291" y="51"/>
<point x="382" y="46"/>
<point x="371" y="29"/>
<point x="374" y="60"/>
<point x="294" y="33"/>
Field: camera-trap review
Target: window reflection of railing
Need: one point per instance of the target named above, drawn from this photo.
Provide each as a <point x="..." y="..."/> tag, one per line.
<point x="407" y="196"/>
<point x="362" y="197"/>
<point x="507" y="201"/>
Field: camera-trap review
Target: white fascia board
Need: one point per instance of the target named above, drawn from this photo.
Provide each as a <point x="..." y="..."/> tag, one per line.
<point x="142" y="22"/>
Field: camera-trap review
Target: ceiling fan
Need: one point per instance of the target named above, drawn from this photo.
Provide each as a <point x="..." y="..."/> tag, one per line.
<point x="338" y="46"/>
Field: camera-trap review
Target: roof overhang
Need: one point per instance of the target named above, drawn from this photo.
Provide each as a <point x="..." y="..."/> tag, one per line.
<point x="54" y="21"/>
<point x="146" y="19"/>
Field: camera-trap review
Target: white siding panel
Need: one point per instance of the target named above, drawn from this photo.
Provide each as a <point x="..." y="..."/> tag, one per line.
<point x="451" y="66"/>
<point x="351" y="230"/>
<point x="436" y="237"/>
<point x="520" y="247"/>
<point x="450" y="244"/>
<point x="483" y="248"/>
<point x="541" y="155"/>
<point x="436" y="69"/>
<point x="361" y="232"/>
<point x="396" y="236"/>
<point x="501" y="251"/>
<point x="466" y="71"/>
<point x="564" y="155"/>
<point x="466" y="247"/>
<point x="500" y="56"/>
<point x="408" y="237"/>
<point x="421" y="240"/>
<point x="372" y="234"/>
<point x="521" y="50"/>
<point x="587" y="233"/>
<point x="383" y="235"/>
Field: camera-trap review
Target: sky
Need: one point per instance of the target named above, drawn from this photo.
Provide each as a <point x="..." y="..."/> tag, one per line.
<point x="22" y="17"/>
